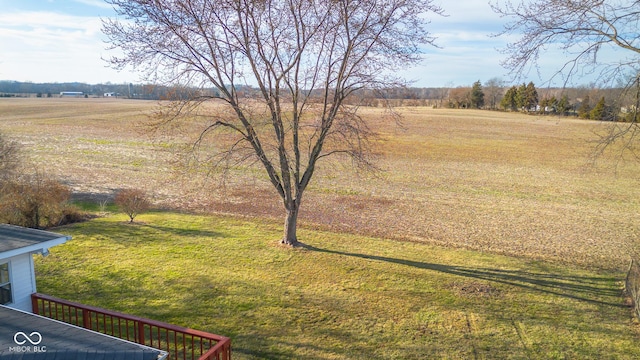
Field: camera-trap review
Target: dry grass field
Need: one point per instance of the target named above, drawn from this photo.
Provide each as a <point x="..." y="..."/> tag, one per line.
<point x="498" y="182"/>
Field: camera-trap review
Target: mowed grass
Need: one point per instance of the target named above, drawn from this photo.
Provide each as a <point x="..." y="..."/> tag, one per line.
<point x="341" y="296"/>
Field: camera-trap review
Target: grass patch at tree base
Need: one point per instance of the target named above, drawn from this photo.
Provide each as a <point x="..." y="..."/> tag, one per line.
<point x="340" y="296"/>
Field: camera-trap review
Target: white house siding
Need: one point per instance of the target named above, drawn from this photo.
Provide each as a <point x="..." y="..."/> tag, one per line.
<point x="21" y="273"/>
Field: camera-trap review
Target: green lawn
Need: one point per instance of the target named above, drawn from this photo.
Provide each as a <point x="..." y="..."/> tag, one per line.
<point x="340" y="297"/>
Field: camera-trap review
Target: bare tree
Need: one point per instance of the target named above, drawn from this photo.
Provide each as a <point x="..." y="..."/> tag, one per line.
<point x="132" y="202"/>
<point x="34" y="200"/>
<point x="305" y="61"/>
<point x="10" y="157"/>
<point x="599" y="37"/>
<point x="494" y="89"/>
<point x="460" y="97"/>
<point x="583" y="29"/>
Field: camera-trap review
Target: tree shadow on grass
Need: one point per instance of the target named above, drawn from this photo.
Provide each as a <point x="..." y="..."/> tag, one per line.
<point x="584" y="288"/>
<point x="192" y="233"/>
<point x="134" y="232"/>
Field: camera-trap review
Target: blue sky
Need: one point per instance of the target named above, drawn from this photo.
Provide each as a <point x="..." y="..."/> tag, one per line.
<point x="61" y="41"/>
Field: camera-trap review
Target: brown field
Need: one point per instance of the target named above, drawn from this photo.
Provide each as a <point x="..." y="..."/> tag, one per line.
<point x="497" y="182"/>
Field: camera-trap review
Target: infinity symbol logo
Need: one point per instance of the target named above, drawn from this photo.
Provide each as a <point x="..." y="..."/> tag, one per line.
<point x="28" y="338"/>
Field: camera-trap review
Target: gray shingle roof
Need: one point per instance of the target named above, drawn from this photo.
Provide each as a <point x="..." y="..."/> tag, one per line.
<point x="60" y="341"/>
<point x="16" y="237"/>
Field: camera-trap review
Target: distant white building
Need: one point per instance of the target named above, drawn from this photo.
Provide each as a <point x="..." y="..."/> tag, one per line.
<point x="626" y="110"/>
<point x="110" y="94"/>
<point x="71" y="93"/>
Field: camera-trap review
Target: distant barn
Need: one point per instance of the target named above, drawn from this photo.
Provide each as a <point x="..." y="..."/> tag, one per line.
<point x="71" y="93"/>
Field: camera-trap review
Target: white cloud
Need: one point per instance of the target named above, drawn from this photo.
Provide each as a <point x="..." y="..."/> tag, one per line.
<point x="468" y="51"/>
<point x="51" y="20"/>
<point x="52" y="47"/>
<point x="469" y="14"/>
<point x="95" y="3"/>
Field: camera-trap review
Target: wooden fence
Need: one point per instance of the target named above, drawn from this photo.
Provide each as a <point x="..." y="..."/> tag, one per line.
<point x="181" y="343"/>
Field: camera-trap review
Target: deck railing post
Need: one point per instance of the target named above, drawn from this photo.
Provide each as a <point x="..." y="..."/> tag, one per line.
<point x="34" y="304"/>
<point x="140" y="339"/>
<point x="86" y="319"/>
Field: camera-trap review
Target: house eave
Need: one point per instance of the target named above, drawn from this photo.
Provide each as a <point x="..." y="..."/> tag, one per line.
<point x="39" y="248"/>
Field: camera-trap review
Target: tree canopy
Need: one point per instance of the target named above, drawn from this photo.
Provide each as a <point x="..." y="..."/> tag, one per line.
<point x="582" y="29"/>
<point x="308" y="60"/>
<point x="477" y="95"/>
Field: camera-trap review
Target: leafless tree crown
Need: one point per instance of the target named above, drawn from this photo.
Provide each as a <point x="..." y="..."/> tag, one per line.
<point x="582" y="29"/>
<point x="10" y="157"/>
<point x="305" y="60"/>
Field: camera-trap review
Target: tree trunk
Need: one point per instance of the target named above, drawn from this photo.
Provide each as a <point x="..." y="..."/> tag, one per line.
<point x="290" y="226"/>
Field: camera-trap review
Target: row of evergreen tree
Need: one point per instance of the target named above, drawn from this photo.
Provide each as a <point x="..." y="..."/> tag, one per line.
<point x="525" y="98"/>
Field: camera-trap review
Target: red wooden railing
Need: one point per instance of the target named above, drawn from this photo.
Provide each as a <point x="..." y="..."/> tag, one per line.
<point x="181" y="343"/>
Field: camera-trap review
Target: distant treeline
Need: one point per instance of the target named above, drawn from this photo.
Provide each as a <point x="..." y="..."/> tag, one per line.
<point x="584" y="102"/>
<point x="129" y="91"/>
<point x="157" y="92"/>
<point x="609" y="104"/>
